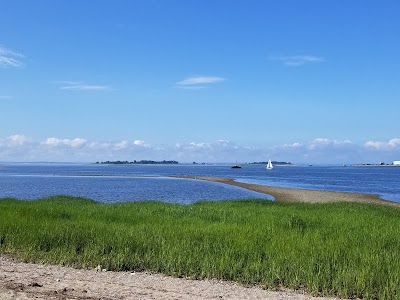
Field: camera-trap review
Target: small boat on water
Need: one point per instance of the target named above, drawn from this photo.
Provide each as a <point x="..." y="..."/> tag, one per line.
<point x="269" y="165"/>
<point x="236" y="166"/>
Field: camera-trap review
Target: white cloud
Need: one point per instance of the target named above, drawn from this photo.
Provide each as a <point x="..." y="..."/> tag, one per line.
<point x="195" y="146"/>
<point x="213" y="146"/>
<point x="217" y="151"/>
<point x="130" y="145"/>
<point x="10" y="59"/>
<point x="17" y="140"/>
<point x="319" y="150"/>
<point x="393" y="144"/>
<point x="293" y="145"/>
<point x="199" y="81"/>
<point x="121" y="145"/>
<point x="324" y="143"/>
<point x="298" y="60"/>
<point x="55" y="142"/>
<point x="316" y="145"/>
<point x="140" y="143"/>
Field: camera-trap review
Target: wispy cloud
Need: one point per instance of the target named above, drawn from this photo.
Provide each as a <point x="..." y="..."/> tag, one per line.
<point x="78" y="86"/>
<point x="298" y="60"/>
<point x="199" y="81"/>
<point x="10" y="59"/>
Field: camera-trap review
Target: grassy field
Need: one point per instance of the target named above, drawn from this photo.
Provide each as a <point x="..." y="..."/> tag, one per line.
<point x="343" y="249"/>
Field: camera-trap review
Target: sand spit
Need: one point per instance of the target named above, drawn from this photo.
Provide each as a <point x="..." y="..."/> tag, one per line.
<point x="300" y="195"/>
<point x="24" y="281"/>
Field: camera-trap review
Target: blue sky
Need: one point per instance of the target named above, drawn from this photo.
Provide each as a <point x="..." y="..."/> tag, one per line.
<point x="206" y="81"/>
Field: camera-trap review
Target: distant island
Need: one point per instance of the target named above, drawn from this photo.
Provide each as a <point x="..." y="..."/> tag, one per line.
<point x="138" y="162"/>
<point x="274" y="162"/>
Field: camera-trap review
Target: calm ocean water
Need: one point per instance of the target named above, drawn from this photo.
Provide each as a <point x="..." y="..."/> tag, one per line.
<point x="112" y="183"/>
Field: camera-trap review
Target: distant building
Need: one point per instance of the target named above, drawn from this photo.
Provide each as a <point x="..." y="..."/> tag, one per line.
<point x="396" y="162"/>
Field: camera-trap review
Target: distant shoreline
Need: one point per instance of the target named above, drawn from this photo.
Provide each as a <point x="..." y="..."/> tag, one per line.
<point x="374" y="165"/>
<point x="292" y="195"/>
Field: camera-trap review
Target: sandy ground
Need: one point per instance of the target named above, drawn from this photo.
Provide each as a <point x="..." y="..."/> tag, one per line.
<point x="31" y="281"/>
<point x="300" y="195"/>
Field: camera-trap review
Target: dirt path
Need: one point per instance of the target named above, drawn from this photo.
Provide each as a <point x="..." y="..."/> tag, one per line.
<point x="31" y="281"/>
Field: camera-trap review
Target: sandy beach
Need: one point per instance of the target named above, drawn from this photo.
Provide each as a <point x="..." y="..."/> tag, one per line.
<point x="300" y="195"/>
<point x="23" y="281"/>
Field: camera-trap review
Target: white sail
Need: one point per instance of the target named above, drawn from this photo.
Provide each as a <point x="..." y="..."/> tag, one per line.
<point x="269" y="165"/>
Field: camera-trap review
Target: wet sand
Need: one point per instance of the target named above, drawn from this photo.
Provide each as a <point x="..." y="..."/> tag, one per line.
<point x="291" y="195"/>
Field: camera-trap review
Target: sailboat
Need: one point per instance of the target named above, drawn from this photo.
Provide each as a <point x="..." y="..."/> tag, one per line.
<point x="269" y="165"/>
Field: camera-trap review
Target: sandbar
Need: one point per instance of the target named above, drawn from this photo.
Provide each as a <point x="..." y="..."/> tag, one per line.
<point x="291" y="195"/>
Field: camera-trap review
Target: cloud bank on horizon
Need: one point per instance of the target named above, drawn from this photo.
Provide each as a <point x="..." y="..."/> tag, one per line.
<point x="20" y="148"/>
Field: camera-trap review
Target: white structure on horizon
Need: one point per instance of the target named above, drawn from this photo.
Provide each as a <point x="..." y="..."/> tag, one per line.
<point x="396" y="163"/>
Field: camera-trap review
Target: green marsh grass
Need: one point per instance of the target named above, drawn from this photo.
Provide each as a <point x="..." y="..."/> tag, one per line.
<point x="345" y="249"/>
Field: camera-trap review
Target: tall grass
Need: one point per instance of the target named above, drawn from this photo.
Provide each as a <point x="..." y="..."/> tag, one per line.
<point x="342" y="249"/>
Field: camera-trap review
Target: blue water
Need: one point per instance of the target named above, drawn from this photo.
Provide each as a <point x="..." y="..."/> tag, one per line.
<point x="112" y="183"/>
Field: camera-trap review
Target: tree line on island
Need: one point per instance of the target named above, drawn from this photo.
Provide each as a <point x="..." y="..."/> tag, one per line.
<point x="138" y="162"/>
